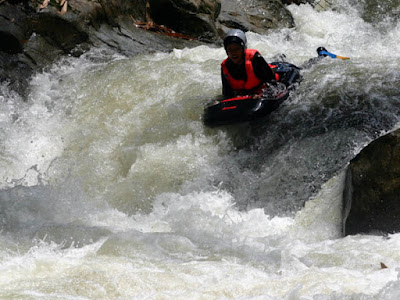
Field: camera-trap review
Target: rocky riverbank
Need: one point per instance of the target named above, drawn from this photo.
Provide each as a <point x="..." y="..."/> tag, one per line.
<point x="35" y="33"/>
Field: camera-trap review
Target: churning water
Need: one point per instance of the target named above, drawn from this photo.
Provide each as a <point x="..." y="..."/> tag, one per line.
<point x="112" y="188"/>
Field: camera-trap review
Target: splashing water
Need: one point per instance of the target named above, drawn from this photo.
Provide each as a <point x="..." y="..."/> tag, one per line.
<point x="112" y="188"/>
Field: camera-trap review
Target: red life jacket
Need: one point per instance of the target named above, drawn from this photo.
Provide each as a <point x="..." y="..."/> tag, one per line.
<point x="252" y="81"/>
<point x="273" y="71"/>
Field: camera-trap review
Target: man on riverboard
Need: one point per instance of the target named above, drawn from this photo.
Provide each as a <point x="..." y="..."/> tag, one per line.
<point x="244" y="71"/>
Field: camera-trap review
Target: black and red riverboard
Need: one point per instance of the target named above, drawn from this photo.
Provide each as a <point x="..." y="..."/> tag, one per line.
<point x="247" y="108"/>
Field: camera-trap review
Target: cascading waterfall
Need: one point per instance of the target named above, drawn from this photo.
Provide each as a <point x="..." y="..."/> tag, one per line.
<point x="112" y="188"/>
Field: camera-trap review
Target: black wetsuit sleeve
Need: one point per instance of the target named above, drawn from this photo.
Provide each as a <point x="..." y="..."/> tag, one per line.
<point x="312" y="62"/>
<point x="262" y="69"/>
<point x="227" y="90"/>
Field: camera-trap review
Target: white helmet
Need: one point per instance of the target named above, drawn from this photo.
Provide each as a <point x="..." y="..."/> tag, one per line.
<point x="235" y="36"/>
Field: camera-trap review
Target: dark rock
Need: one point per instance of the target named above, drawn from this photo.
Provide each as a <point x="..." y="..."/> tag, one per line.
<point x="257" y="16"/>
<point x="129" y="40"/>
<point x="41" y="51"/>
<point x="194" y="18"/>
<point x="15" y="70"/>
<point x="372" y="190"/>
<point x="64" y="32"/>
<point x="112" y="9"/>
<point x="14" y="28"/>
<point x="298" y="2"/>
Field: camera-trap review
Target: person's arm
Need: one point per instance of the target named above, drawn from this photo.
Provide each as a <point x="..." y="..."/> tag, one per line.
<point x="227" y="90"/>
<point x="262" y="69"/>
<point x="311" y="62"/>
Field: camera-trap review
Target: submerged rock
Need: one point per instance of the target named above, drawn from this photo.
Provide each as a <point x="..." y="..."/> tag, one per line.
<point x="372" y="190"/>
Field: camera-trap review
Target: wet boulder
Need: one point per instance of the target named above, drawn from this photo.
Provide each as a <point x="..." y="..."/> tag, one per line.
<point x="63" y="32"/>
<point x="372" y="190"/>
<point x="195" y="18"/>
<point x="110" y="9"/>
<point x="298" y="2"/>
<point x="14" y="28"/>
<point x="256" y="16"/>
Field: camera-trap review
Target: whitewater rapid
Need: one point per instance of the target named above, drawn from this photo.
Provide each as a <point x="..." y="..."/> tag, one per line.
<point x="112" y="188"/>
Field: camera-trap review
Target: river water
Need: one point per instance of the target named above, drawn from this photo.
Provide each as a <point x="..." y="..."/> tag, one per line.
<point x="112" y="188"/>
